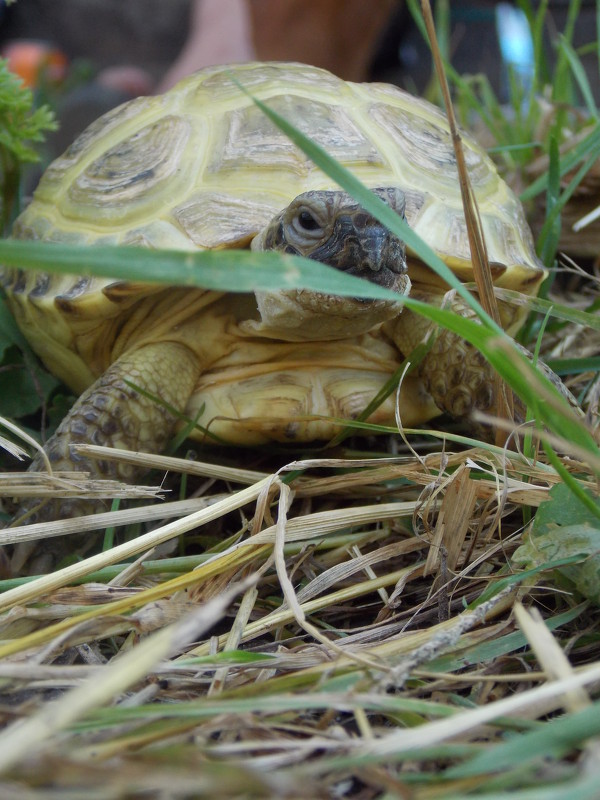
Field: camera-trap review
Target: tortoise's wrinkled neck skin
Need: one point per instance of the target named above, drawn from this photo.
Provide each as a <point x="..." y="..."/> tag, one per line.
<point x="331" y="227"/>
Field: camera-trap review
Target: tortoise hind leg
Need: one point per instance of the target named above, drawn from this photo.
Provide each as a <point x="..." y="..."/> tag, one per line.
<point x="112" y="413"/>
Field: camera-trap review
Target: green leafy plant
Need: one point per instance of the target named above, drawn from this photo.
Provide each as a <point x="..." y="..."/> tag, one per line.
<point x="566" y="525"/>
<point x="25" y="386"/>
<point x="20" y="126"/>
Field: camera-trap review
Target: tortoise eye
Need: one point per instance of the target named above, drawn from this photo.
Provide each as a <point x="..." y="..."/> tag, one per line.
<point x="307" y="221"/>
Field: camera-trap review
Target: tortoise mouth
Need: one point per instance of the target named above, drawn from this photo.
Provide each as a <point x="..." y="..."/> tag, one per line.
<point x="386" y="277"/>
<point x="354" y="313"/>
<point x="359" y="245"/>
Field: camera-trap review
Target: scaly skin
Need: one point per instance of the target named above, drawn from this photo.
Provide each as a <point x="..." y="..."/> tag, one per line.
<point x="457" y="376"/>
<point x="112" y="413"/>
<point x="455" y="373"/>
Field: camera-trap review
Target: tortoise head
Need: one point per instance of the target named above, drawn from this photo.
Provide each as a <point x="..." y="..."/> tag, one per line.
<point x="332" y="227"/>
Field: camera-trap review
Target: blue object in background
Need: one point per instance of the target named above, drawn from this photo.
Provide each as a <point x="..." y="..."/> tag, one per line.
<point x="516" y="44"/>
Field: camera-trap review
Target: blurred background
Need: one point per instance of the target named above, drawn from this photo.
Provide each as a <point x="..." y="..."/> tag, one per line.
<point x="85" y="56"/>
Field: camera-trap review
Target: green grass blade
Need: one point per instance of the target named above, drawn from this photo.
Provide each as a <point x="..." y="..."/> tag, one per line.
<point x="487" y="108"/>
<point x="571" y="482"/>
<point x="223" y="270"/>
<point x="574" y="366"/>
<point x="443" y="27"/>
<point x="589" y="146"/>
<point x="555" y="739"/>
<point x="550" y="233"/>
<point x="553" y="309"/>
<point x="597" y="41"/>
<point x="580" y="788"/>
<point x="536" y="21"/>
<point x="562" y="86"/>
<point x="580" y="76"/>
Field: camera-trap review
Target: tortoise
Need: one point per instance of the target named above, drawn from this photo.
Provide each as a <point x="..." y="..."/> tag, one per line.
<point x="202" y="167"/>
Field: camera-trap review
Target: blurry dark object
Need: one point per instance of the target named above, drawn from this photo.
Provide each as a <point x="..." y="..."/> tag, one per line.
<point x="147" y="33"/>
<point x="339" y="35"/>
<point x="220" y="32"/>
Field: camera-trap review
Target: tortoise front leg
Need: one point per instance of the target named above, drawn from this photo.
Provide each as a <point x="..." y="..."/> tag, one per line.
<point x="457" y="376"/>
<point x="454" y="372"/>
<point x="112" y="413"/>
